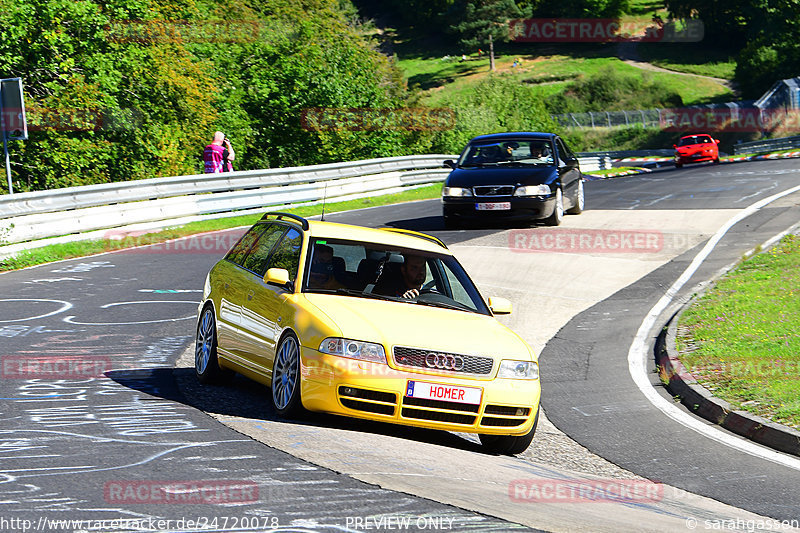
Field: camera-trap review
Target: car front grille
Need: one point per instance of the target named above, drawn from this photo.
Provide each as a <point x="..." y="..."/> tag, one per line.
<point x="493" y="190"/>
<point x="418" y="358"/>
<point x="438" y="416"/>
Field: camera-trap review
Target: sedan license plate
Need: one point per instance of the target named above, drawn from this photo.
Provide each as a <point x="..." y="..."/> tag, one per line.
<point x="493" y="206"/>
<point x="447" y="393"/>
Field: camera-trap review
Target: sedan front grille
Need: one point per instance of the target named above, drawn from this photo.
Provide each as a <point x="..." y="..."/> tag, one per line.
<point x="493" y="190"/>
<point x="426" y="359"/>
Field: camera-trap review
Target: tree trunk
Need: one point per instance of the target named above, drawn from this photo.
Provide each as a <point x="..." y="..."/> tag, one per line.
<point x="491" y="53"/>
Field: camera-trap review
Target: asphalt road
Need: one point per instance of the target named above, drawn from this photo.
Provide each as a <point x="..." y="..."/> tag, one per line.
<point x="82" y="447"/>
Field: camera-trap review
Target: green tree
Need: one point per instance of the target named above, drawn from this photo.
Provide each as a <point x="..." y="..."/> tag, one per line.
<point x="486" y="22"/>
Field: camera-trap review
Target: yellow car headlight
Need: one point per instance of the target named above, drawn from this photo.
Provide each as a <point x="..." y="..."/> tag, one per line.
<point x="518" y="370"/>
<point x="366" y="351"/>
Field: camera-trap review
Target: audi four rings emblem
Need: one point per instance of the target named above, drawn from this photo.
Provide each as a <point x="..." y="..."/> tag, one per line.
<point x="444" y="361"/>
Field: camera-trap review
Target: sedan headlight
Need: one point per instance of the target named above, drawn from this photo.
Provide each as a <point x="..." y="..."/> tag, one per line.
<point x="456" y="191"/>
<point x="366" y="351"/>
<point x="518" y="370"/>
<point x="533" y="190"/>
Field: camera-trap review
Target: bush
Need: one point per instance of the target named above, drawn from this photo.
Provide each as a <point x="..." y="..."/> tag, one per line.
<point x="609" y="90"/>
<point x="497" y="104"/>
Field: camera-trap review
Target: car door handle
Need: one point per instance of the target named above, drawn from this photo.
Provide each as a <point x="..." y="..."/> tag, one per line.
<point x="250" y="295"/>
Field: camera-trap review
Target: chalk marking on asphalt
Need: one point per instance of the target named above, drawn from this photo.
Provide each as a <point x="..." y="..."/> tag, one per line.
<point x="637" y="355"/>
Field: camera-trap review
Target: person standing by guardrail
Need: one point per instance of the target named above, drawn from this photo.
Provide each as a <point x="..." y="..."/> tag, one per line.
<point x="218" y="155"/>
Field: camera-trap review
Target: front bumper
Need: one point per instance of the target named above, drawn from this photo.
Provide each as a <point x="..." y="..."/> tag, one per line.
<point x="374" y="391"/>
<point x="532" y="207"/>
<point x="694" y="158"/>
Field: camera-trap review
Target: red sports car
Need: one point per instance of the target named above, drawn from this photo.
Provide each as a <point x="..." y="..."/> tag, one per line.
<point x="695" y="148"/>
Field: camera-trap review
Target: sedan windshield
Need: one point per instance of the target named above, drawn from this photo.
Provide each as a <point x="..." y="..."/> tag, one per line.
<point x="369" y="270"/>
<point x="695" y="139"/>
<point x="507" y="152"/>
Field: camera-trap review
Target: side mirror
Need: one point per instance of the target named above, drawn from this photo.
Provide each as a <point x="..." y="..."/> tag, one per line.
<point x="716" y="141"/>
<point x="499" y="306"/>
<point x="449" y="163"/>
<point x="675" y="146"/>
<point x="572" y="162"/>
<point x="277" y="276"/>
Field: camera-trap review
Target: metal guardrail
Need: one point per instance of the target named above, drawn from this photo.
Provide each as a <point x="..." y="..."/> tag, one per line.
<point x="767" y="145"/>
<point x="76" y="210"/>
<point x="131" y="191"/>
<point x="622" y="154"/>
<point x="42" y="214"/>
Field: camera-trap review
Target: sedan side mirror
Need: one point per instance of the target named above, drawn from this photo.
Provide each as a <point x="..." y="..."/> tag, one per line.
<point x="277" y="276"/>
<point x="499" y="306"/>
<point x="449" y="163"/>
<point x="675" y="146"/>
<point x="716" y="141"/>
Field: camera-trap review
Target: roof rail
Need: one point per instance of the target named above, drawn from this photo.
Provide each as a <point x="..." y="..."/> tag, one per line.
<point x="303" y="222"/>
<point x="418" y="235"/>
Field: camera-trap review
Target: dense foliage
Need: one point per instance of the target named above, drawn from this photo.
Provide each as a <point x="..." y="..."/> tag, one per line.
<point x="609" y="90"/>
<point x="496" y="104"/>
<point x="764" y="33"/>
<point x="128" y="89"/>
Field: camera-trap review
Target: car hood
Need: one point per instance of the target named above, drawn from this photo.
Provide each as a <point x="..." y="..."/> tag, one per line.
<point x="691" y="148"/>
<point x="469" y="177"/>
<point x="419" y="326"/>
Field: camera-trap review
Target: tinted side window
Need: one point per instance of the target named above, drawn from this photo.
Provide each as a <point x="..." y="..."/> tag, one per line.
<point x="563" y="153"/>
<point x="287" y="253"/>
<point x="256" y="260"/>
<point x="240" y="249"/>
<point x="567" y="151"/>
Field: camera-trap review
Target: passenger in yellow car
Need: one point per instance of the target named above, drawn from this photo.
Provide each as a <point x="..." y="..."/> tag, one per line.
<point x="409" y="281"/>
<point x="321" y="275"/>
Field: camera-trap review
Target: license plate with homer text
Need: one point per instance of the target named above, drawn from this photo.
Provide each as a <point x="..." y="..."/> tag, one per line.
<point x="447" y="393"/>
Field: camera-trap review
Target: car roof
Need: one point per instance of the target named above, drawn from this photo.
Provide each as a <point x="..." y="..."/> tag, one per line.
<point x="401" y="238"/>
<point x="696" y="135"/>
<point x="513" y="135"/>
<point x="390" y="236"/>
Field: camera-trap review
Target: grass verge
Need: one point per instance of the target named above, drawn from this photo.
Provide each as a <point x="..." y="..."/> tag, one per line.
<point x="55" y="252"/>
<point x="741" y="339"/>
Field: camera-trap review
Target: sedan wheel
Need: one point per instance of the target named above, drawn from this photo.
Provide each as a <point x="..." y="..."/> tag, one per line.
<point x="580" y="201"/>
<point x="558" y="211"/>
<point x="206" y="366"/>
<point x="509" y="444"/>
<point x="286" y="378"/>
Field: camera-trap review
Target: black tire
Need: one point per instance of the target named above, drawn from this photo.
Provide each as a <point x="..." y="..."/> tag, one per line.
<point x="580" y="200"/>
<point x="557" y="216"/>
<point x="716" y="161"/>
<point x="206" y="365"/>
<point x="286" y="378"/>
<point x="678" y="165"/>
<point x="509" y="444"/>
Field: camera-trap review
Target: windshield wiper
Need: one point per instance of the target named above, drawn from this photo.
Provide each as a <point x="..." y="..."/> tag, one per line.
<point x="353" y="292"/>
<point x="456" y="306"/>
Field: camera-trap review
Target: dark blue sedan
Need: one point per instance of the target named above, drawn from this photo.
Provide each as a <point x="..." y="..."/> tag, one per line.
<point x="522" y="175"/>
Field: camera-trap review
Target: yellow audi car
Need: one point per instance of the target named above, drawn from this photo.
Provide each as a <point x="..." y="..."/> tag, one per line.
<point x="382" y="324"/>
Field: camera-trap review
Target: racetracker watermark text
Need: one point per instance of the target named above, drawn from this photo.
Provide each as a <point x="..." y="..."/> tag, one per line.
<point x="181" y="492"/>
<point x="585" y="241"/>
<point x="604" y="31"/>
<point x="49" y="367"/>
<point x="584" y="491"/>
<point x="372" y="119"/>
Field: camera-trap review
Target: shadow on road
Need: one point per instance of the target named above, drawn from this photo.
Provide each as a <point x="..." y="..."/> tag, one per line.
<point x="244" y="398"/>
